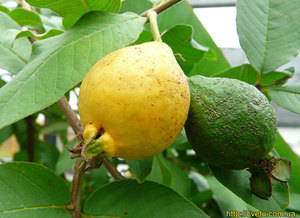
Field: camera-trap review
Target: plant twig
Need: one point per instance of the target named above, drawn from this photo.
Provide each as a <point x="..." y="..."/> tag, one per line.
<point x="79" y="167"/>
<point x="71" y="118"/>
<point x="30" y="138"/>
<point x="112" y="169"/>
<point x="161" y="7"/>
<point x="75" y="203"/>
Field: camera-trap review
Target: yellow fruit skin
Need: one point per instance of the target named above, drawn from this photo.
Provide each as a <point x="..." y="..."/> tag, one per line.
<point x="140" y="96"/>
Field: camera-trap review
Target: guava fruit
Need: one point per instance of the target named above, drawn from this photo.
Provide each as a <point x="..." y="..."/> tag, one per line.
<point x="136" y="99"/>
<point x="232" y="125"/>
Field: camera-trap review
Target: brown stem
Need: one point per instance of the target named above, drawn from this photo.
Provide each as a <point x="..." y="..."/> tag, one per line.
<point x="71" y="118"/>
<point x="161" y="7"/>
<point x="112" y="169"/>
<point x="30" y="138"/>
<point x="79" y="167"/>
<point x="75" y="204"/>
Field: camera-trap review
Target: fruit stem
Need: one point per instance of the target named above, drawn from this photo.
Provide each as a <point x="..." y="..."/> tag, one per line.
<point x="112" y="169"/>
<point x="152" y="17"/>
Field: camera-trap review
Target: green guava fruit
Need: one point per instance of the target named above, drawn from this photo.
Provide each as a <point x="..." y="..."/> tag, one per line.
<point x="231" y="124"/>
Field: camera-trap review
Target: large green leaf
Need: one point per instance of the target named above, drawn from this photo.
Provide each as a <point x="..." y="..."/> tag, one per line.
<point x="72" y="10"/>
<point x="140" y="168"/>
<point x="287" y="97"/>
<point x="149" y="199"/>
<point x="268" y="32"/>
<point x="12" y="58"/>
<point x="285" y="151"/>
<point x="238" y="182"/>
<point x="182" y="14"/>
<point x="59" y="63"/>
<point x="31" y="190"/>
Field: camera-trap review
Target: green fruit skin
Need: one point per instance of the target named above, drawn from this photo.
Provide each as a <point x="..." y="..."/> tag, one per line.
<point x="230" y="124"/>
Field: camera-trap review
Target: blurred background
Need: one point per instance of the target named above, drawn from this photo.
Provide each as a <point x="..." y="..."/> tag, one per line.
<point x="218" y="17"/>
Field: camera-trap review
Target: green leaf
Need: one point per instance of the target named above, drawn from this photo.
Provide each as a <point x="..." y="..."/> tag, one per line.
<point x="4" y="9"/>
<point x="5" y="133"/>
<point x="10" y="35"/>
<point x="26" y="18"/>
<point x="131" y="199"/>
<point x="228" y="200"/>
<point x="44" y="153"/>
<point x="238" y="182"/>
<point x="287" y="97"/>
<point x="243" y="72"/>
<point x="140" y="168"/>
<point x="279" y="77"/>
<point x="164" y="169"/>
<point x="31" y="190"/>
<point x="161" y="172"/>
<point x="182" y="13"/>
<point x="64" y="162"/>
<point x="72" y="10"/>
<point x="170" y="17"/>
<point x="137" y="7"/>
<point x="93" y="180"/>
<point x="68" y="57"/>
<point x="12" y="58"/>
<point x="145" y="36"/>
<point x="268" y="32"/>
<point x="294" y="202"/>
<point x="48" y="34"/>
<point x="54" y="127"/>
<point x="179" y="38"/>
<point x="52" y="22"/>
<point x="181" y="183"/>
<point x="181" y="143"/>
<point x="193" y="161"/>
<point x="285" y="151"/>
<point x="248" y="74"/>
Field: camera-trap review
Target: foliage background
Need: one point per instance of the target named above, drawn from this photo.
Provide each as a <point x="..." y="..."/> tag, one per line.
<point x="68" y="39"/>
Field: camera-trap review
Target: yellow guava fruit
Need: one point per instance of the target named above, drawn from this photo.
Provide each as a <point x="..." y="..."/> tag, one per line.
<point x="139" y="97"/>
